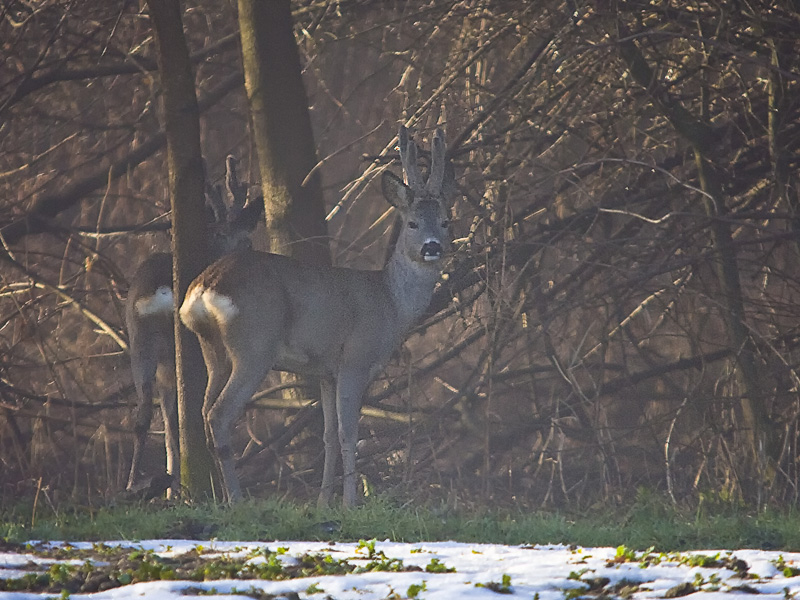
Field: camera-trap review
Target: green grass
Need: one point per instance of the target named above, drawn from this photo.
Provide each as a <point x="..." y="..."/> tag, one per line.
<point x="649" y="523"/>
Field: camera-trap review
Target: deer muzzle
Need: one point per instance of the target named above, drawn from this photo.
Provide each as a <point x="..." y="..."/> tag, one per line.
<point x="431" y="250"/>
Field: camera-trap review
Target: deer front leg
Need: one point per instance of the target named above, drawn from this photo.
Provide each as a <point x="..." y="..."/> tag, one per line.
<point x="350" y="387"/>
<point x="330" y="437"/>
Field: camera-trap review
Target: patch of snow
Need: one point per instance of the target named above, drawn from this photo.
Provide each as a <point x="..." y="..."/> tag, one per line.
<point x="547" y="572"/>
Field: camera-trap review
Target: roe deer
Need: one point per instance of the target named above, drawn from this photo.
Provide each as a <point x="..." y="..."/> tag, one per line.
<point x="149" y="317"/>
<point x="255" y="311"/>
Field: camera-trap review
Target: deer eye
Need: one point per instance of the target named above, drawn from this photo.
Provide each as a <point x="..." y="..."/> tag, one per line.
<point x="413" y="225"/>
<point x="445" y="224"/>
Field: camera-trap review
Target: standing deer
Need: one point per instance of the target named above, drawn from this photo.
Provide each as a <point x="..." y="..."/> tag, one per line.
<point x="254" y="311"/>
<point x="149" y="317"/>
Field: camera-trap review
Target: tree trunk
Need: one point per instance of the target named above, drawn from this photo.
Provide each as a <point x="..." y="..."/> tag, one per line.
<point x="190" y="252"/>
<point x="295" y="210"/>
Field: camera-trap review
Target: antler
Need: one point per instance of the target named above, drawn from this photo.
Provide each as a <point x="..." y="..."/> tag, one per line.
<point x="408" y="156"/>
<point x="438" y="163"/>
<point x="237" y="192"/>
<point x="214" y="198"/>
<point x="440" y="175"/>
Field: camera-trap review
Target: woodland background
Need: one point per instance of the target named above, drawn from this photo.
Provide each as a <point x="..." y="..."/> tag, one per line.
<point x="621" y="307"/>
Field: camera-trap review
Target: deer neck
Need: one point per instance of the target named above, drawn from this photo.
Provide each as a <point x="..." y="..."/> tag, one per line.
<point x="411" y="285"/>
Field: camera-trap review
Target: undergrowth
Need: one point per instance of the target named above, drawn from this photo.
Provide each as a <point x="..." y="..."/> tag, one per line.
<point x="648" y="524"/>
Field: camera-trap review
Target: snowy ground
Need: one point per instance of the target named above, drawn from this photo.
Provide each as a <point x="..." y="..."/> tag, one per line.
<point x="480" y="571"/>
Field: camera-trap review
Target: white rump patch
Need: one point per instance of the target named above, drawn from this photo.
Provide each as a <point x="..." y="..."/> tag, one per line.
<point x="192" y="308"/>
<point x="159" y="303"/>
<point x="221" y="307"/>
<point x="203" y="304"/>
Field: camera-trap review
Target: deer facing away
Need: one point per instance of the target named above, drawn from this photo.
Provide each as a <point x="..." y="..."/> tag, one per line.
<point x="255" y="311"/>
<point x="149" y="318"/>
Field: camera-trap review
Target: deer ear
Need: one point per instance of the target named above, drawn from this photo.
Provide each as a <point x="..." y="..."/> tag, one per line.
<point x="397" y="193"/>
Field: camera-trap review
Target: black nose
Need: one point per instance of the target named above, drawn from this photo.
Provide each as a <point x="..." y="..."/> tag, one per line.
<point x="431" y="251"/>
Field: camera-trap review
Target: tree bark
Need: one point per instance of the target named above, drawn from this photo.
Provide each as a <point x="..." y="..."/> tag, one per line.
<point x="295" y="211"/>
<point x="190" y="252"/>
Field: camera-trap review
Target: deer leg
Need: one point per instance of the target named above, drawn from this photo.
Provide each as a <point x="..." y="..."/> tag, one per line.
<point x="350" y="387"/>
<point x="246" y="376"/>
<point x="218" y="369"/>
<point x="331" y="440"/>
<point x="169" y="412"/>
<point x="144" y="373"/>
<point x="218" y="372"/>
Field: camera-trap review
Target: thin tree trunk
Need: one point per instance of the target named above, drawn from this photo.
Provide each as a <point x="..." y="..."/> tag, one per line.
<point x="186" y="184"/>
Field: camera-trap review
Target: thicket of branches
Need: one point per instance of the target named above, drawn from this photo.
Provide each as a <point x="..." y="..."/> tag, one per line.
<point x="621" y="308"/>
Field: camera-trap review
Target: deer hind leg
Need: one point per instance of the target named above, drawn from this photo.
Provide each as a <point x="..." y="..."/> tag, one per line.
<point x="218" y="369"/>
<point x="331" y="440"/>
<point x="252" y="352"/>
<point x="350" y="387"/>
<point x="169" y="412"/>
<point x="243" y="383"/>
<point x="144" y="375"/>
